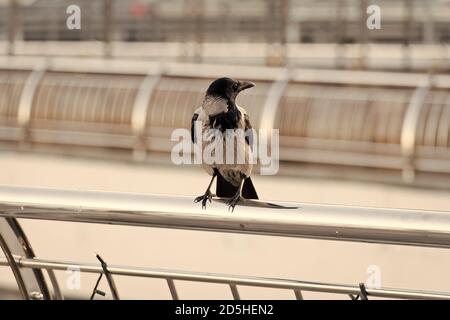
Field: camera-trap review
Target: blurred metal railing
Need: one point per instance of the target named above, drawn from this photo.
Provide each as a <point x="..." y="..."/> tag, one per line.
<point x="263" y="32"/>
<point x="327" y="222"/>
<point x="230" y="21"/>
<point x="396" y="121"/>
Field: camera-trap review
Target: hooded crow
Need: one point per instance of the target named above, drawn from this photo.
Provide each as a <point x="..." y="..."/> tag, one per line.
<point x="219" y="111"/>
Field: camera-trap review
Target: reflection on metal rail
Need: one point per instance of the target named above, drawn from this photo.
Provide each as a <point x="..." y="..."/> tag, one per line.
<point x="328" y="222"/>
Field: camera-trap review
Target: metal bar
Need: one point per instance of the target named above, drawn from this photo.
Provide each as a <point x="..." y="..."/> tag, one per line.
<point x="182" y="69"/>
<point x="109" y="279"/>
<point x="13" y="25"/>
<point x="107" y="27"/>
<point x="57" y="294"/>
<point x="26" y="98"/>
<point x="426" y="56"/>
<point x="173" y="289"/>
<point x="282" y="29"/>
<point x="408" y="25"/>
<point x="330" y="222"/>
<point x="197" y="10"/>
<point x="10" y="261"/>
<point x="298" y="294"/>
<point x="429" y="32"/>
<point x="13" y="242"/>
<point x="272" y="102"/>
<point x="409" y="128"/>
<point x="140" y="110"/>
<point x="234" y="291"/>
<point x="230" y="279"/>
<point x="340" y="23"/>
<point x="363" y="34"/>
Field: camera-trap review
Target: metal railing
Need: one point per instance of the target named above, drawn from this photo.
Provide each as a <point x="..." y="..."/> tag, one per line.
<point x="198" y="20"/>
<point x="327" y="222"/>
<point x="194" y="30"/>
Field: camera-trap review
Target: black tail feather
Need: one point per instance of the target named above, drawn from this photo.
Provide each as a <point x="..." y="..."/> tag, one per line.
<point x="248" y="190"/>
<point x="224" y="189"/>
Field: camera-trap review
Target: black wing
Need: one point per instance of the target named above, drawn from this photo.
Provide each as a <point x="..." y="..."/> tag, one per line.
<point x="248" y="131"/>
<point x="194" y="118"/>
<point x="248" y="190"/>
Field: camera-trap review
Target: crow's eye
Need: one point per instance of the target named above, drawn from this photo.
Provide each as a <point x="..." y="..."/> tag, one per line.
<point x="235" y="87"/>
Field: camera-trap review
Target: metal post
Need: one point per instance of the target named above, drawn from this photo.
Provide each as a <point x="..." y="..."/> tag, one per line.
<point x="276" y="31"/>
<point x="269" y="112"/>
<point x="14" y="243"/>
<point x="173" y="289"/>
<point x="283" y="26"/>
<point x="428" y="24"/>
<point x="269" y="26"/>
<point x="140" y="110"/>
<point x="293" y="31"/>
<point x="235" y="292"/>
<point x="13" y="25"/>
<point x="26" y="100"/>
<point x="409" y="129"/>
<point x="407" y="33"/>
<point x="298" y="294"/>
<point x="363" y="34"/>
<point x="107" y="27"/>
<point x="198" y="8"/>
<point x="340" y="47"/>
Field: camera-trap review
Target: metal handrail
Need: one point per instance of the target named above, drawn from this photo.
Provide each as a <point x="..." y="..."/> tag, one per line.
<point x="205" y="70"/>
<point x="331" y="222"/>
<point x="328" y="222"/>
<point x="233" y="280"/>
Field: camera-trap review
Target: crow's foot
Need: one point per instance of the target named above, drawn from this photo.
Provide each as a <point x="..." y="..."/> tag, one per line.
<point x="233" y="201"/>
<point x="204" y="198"/>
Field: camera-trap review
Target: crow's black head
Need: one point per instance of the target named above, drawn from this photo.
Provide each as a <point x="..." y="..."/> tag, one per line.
<point x="227" y="88"/>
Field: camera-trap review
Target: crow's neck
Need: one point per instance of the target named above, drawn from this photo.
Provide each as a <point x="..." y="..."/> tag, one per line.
<point x="213" y="105"/>
<point x="226" y="120"/>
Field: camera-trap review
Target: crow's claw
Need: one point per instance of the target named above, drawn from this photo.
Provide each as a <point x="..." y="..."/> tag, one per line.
<point x="204" y="198"/>
<point x="233" y="201"/>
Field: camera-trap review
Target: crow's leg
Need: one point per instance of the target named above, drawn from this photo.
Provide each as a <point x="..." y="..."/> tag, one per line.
<point x="237" y="196"/>
<point x="208" y="195"/>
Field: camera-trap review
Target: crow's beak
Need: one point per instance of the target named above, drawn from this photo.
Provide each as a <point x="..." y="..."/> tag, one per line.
<point x="245" y="85"/>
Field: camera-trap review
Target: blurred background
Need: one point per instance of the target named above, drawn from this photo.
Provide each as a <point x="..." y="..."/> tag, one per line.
<point x="364" y="119"/>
